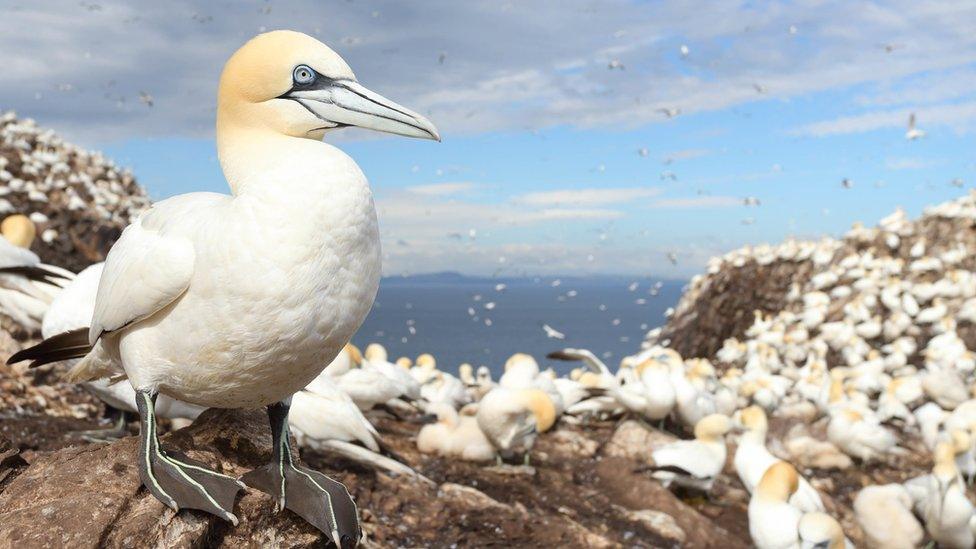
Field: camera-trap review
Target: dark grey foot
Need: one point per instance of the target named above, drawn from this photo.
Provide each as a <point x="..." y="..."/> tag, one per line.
<point x="110" y="434"/>
<point x="176" y="480"/>
<point x="321" y="501"/>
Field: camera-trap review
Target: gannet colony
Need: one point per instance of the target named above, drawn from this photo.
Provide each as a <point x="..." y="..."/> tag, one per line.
<point x="806" y="394"/>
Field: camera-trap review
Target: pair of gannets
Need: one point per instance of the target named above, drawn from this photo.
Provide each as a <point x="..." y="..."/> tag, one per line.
<point x="774" y="523"/>
<point x="940" y="497"/>
<point x="752" y="460"/>
<point x="211" y="299"/>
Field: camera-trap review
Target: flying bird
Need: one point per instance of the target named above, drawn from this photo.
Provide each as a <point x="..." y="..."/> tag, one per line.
<point x="146" y="99"/>
<point x="553" y="333"/>
<point x="913" y="132"/>
<point x="669" y="112"/>
<point x="847" y="183"/>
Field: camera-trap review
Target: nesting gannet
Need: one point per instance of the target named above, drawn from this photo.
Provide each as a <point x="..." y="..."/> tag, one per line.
<point x="860" y="434"/>
<point x="511" y="419"/>
<point x="214" y="300"/>
<point x="885" y="515"/>
<point x="455" y="435"/>
<point x="818" y="529"/>
<point x="694" y="463"/>
<point x="941" y="501"/>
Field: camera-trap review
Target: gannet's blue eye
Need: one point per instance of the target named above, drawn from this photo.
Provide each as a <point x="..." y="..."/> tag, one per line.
<point x="303" y="74"/>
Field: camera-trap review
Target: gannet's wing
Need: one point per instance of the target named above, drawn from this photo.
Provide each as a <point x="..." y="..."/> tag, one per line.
<point x="148" y="268"/>
<point x="15" y="256"/>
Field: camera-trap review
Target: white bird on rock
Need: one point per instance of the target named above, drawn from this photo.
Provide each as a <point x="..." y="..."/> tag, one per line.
<point x="241" y="300"/>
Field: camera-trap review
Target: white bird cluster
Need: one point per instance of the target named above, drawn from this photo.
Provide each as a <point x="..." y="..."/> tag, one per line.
<point x="57" y="185"/>
<point x="868" y="357"/>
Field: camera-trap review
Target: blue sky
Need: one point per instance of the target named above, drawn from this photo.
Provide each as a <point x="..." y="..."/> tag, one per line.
<point x="556" y="154"/>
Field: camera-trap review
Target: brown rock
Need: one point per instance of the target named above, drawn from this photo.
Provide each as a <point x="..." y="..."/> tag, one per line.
<point x="92" y="496"/>
<point x="633" y="440"/>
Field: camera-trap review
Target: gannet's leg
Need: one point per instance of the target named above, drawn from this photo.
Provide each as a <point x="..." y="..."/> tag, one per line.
<point x="175" y="479"/>
<point x="323" y="502"/>
<point x="109" y="434"/>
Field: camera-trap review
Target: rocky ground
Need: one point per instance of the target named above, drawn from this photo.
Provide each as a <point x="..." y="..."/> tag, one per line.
<point x="580" y="489"/>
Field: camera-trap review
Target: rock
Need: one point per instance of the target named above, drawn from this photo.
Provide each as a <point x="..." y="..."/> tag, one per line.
<point x="637" y="492"/>
<point x="662" y="524"/>
<point x="470" y="498"/>
<point x="633" y="440"/>
<point x="92" y="496"/>
<point x="568" y="443"/>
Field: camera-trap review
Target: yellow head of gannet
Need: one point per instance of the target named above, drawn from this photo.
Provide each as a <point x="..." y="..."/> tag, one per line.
<point x="520" y="358"/>
<point x="19" y="230"/>
<point x="779" y="482"/>
<point x="466" y="373"/>
<point x="541" y="406"/>
<point x="355" y="356"/>
<point x="711" y="428"/>
<point x="376" y="352"/>
<point x="753" y="418"/>
<point x="426" y="361"/>
<point x="292" y="84"/>
<point x="404" y="362"/>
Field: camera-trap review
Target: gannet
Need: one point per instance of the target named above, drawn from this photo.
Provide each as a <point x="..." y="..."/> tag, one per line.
<point x="694" y="463"/>
<point x="241" y="300"/>
<point x="885" y="515"/>
<point x="455" y="435"/>
<point x="511" y="419"/>
<point x="818" y="529"/>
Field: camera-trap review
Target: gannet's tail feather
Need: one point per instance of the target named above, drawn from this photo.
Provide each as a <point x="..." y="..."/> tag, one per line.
<point x="37" y="273"/>
<point x="64" y="346"/>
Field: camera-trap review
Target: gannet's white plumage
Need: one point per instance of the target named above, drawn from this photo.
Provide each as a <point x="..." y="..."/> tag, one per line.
<point x="694" y="463"/>
<point x="71" y="309"/>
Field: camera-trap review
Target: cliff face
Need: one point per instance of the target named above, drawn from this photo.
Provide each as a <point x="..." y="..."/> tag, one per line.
<point x="80" y="201"/>
<point x="722" y="303"/>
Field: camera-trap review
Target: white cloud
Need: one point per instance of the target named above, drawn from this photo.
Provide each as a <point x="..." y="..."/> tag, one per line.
<point x="442" y="189"/>
<point x="698" y="202"/>
<point x="588" y="196"/>
<point x="487" y="81"/>
<point x="960" y="116"/>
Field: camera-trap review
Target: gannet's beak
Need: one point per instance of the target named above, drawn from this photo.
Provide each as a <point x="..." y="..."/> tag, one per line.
<point x="344" y="102"/>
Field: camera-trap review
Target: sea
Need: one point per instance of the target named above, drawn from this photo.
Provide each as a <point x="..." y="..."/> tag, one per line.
<point x="483" y="321"/>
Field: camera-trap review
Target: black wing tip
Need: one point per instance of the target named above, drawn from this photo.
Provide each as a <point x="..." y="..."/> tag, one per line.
<point x="63" y="346"/>
<point x="561" y="355"/>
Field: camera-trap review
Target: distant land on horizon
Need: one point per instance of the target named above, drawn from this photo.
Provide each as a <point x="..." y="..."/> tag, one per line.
<point x="457" y="277"/>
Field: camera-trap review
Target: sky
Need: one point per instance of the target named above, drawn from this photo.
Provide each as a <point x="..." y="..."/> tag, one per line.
<point x="579" y="136"/>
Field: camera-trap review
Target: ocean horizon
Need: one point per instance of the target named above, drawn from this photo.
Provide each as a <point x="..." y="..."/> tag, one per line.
<point x="484" y="320"/>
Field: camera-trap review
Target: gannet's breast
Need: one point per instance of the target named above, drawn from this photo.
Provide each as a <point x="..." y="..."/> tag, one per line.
<point x="282" y="279"/>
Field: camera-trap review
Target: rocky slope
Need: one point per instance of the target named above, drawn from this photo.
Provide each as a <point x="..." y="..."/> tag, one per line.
<point x="721" y="303"/>
<point x="79" y="200"/>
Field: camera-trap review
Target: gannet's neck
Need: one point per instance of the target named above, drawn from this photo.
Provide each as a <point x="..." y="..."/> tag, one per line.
<point x="256" y="159"/>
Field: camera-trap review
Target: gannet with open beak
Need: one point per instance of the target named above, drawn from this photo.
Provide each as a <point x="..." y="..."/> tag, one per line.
<point x="241" y="300"/>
